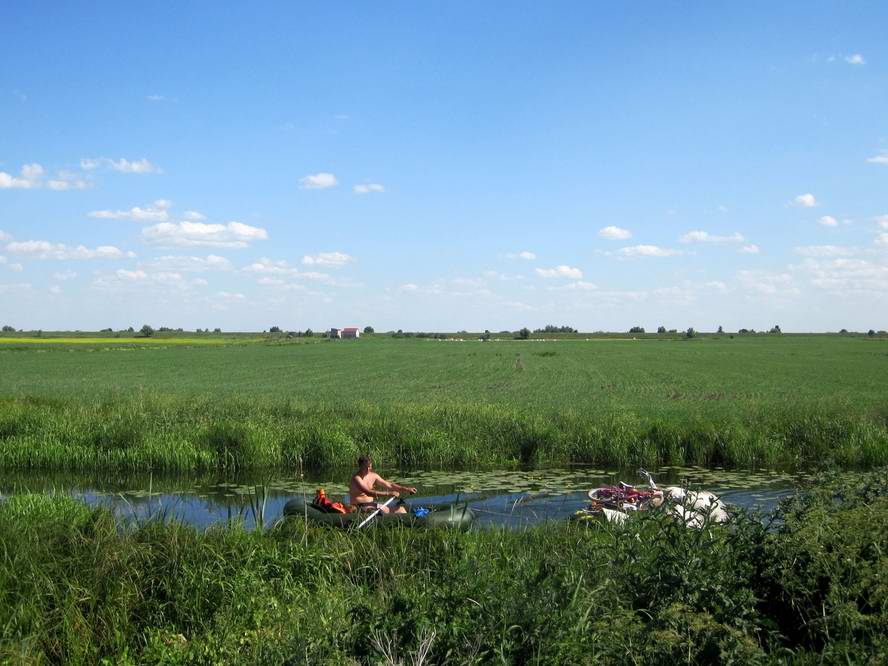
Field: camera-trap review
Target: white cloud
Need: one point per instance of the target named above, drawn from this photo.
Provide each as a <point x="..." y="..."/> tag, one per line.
<point x="807" y="200"/>
<point x="155" y="98"/>
<point x="761" y="283"/>
<point x="122" y="165"/>
<point x="527" y="255"/>
<point x="881" y="220"/>
<point x="186" y="264"/>
<point x="367" y="188"/>
<point x="881" y="158"/>
<point x="280" y="267"/>
<point x="231" y="296"/>
<point x="194" y="216"/>
<point x="4" y="236"/>
<point x="314" y="275"/>
<point x="157" y="212"/>
<point x="882" y="239"/>
<point x="855" y="59"/>
<point x="584" y="286"/>
<point x="327" y="259"/>
<point x="409" y="287"/>
<point x="2" y="259"/>
<point x="318" y="181"/>
<point x="828" y="221"/>
<point x="649" y="251"/>
<point x="705" y="237"/>
<point x="65" y="180"/>
<point x="615" y="233"/>
<point x="824" y="251"/>
<point x="63" y="276"/>
<point x="136" y="275"/>
<point x="16" y="268"/>
<point x="30" y="175"/>
<point x="55" y="289"/>
<point x="752" y="248"/>
<point x="271" y="267"/>
<point x="41" y="249"/>
<point x="270" y="281"/>
<point x="844" y="275"/>
<point x="193" y="234"/>
<point x="561" y="271"/>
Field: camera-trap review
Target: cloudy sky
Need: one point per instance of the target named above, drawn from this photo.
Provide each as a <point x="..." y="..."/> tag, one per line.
<point x="440" y="166"/>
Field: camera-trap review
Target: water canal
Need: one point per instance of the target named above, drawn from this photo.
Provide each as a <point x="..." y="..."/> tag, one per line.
<point x="506" y="497"/>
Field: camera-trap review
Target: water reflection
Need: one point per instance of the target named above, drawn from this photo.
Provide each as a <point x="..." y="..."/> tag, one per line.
<point x="511" y="497"/>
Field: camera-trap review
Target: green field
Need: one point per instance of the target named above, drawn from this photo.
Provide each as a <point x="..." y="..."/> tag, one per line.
<point x="756" y="400"/>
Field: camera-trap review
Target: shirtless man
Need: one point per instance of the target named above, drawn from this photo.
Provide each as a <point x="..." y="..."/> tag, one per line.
<point x="361" y="493"/>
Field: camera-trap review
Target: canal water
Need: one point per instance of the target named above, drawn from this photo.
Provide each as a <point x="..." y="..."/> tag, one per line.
<point x="512" y="497"/>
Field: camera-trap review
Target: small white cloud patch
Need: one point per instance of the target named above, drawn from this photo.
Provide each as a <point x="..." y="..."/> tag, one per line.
<point x="881" y="158"/>
<point x="615" y="233"/>
<point x="705" y="237"/>
<point x="29" y="177"/>
<point x="368" y="188"/>
<point x="194" y="234"/>
<point x="561" y="271"/>
<point x="824" y="251"/>
<point x="855" y="59"/>
<point x="649" y="251"/>
<point x="318" y="181"/>
<point x="327" y="259"/>
<point x="122" y="165"/>
<point x="806" y="200"/>
<point x="41" y="249"/>
<point x="752" y="248"/>
<point x="157" y="212"/>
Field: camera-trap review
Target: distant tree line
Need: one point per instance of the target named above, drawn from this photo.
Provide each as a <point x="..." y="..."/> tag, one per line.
<point x="551" y="328"/>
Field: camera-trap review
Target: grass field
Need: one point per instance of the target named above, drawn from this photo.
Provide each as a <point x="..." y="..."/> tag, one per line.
<point x="99" y="341"/>
<point x="775" y="400"/>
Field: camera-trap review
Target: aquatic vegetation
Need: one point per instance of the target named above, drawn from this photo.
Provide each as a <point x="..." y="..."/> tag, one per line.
<point x="78" y="588"/>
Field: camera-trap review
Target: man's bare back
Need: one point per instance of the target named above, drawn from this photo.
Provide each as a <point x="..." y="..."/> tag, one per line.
<point x="362" y="492"/>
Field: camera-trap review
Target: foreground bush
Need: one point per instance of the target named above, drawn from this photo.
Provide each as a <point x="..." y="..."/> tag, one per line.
<point x="75" y="588"/>
<point x="154" y="432"/>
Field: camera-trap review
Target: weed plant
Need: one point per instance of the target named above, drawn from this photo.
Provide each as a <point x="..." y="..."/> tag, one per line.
<point x="805" y="584"/>
<point x="175" y="433"/>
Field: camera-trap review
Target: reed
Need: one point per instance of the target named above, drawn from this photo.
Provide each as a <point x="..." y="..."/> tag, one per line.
<point x="76" y="587"/>
<point x="176" y="433"/>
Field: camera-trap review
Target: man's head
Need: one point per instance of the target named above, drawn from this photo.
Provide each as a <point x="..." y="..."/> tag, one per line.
<point x="365" y="463"/>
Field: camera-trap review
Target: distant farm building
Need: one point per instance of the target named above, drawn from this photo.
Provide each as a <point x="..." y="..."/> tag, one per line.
<point x="345" y="333"/>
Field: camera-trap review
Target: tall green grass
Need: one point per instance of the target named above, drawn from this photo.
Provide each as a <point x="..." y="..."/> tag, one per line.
<point x="77" y="588"/>
<point x="176" y="433"/>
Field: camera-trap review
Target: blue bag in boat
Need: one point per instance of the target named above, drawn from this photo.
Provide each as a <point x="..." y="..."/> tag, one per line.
<point x="421" y="511"/>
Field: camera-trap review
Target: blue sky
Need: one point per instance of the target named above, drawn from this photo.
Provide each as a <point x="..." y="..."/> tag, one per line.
<point x="444" y="166"/>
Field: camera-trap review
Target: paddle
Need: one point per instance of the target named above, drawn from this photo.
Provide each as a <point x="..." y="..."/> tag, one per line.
<point x="378" y="510"/>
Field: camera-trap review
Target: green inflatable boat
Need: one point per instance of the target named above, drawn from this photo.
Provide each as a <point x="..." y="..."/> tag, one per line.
<point x="458" y="516"/>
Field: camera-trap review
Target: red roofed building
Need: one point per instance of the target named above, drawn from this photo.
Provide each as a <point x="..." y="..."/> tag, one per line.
<point x="351" y="333"/>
